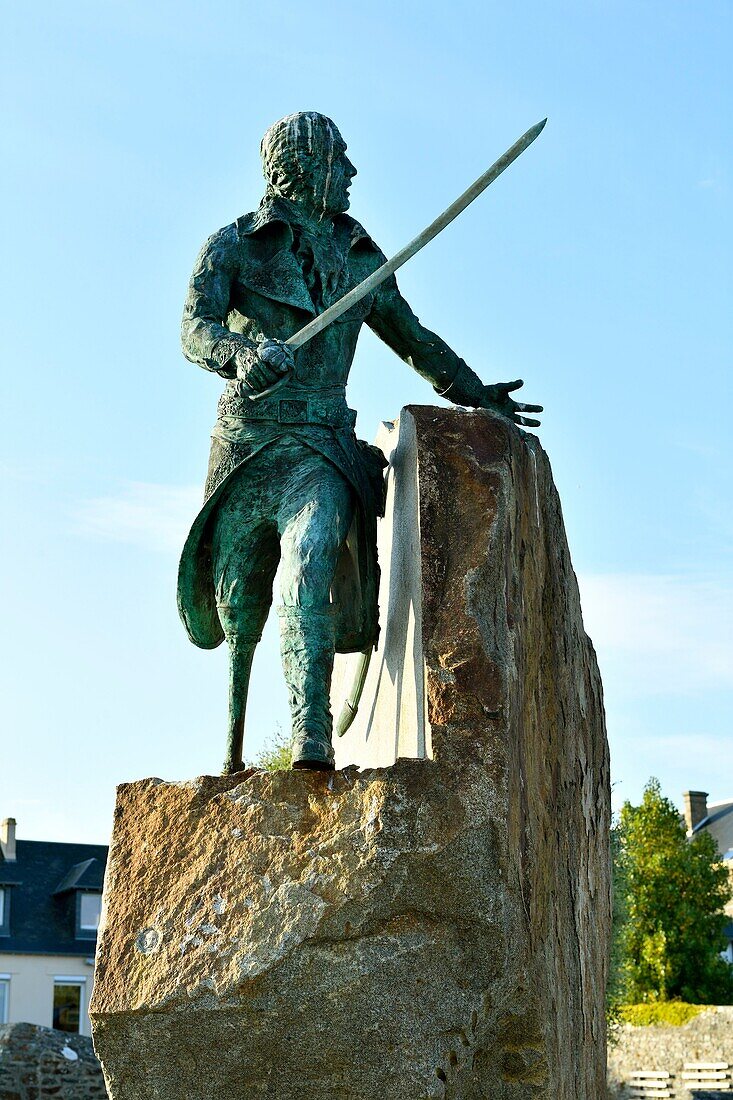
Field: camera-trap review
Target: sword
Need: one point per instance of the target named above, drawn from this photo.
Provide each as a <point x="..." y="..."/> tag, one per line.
<point x="323" y="320"/>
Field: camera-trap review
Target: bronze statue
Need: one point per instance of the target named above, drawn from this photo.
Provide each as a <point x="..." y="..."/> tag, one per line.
<point x="288" y="479"/>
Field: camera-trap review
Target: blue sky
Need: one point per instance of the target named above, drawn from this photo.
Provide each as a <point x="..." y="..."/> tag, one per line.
<point x="598" y="268"/>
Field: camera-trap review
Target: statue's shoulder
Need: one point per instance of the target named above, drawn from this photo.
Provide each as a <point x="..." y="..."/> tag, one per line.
<point x="242" y="241"/>
<point x="224" y="242"/>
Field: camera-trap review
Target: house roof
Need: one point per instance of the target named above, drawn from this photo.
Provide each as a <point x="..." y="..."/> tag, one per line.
<point x="88" y="875"/>
<point x="44" y="880"/>
<point x="9" y="874"/>
<point x="719" y="823"/>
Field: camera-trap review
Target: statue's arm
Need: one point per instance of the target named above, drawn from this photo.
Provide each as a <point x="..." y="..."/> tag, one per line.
<point x="205" y="339"/>
<point x="392" y="319"/>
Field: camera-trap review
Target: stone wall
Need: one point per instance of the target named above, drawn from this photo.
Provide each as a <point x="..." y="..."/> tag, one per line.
<point x="706" y="1038"/>
<point x="38" y="1063"/>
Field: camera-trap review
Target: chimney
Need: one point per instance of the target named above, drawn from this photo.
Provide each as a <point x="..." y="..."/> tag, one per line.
<point x="7" y="838"/>
<point x="696" y="808"/>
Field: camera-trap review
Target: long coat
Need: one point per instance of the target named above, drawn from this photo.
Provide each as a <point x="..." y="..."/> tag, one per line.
<point x="248" y="283"/>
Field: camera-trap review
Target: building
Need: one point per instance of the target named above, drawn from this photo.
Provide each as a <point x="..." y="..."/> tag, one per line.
<point x="715" y="818"/>
<point x="50" y="898"/>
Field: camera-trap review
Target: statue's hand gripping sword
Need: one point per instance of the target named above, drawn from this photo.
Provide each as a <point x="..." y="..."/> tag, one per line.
<point x="323" y="320"/>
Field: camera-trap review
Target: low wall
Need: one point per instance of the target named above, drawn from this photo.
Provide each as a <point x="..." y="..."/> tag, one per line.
<point x="38" y="1063"/>
<point x="706" y="1038"/>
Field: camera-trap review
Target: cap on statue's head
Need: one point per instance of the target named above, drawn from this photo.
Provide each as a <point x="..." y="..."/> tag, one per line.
<point x="303" y="156"/>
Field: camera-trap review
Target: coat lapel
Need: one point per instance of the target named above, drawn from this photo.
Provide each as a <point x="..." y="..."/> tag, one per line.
<point x="279" y="279"/>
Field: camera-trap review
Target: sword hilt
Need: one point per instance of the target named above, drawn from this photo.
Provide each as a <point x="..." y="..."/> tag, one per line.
<point x="273" y="388"/>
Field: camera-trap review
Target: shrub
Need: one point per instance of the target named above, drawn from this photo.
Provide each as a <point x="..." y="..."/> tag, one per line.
<point x="277" y="755"/>
<point x="670" y="1013"/>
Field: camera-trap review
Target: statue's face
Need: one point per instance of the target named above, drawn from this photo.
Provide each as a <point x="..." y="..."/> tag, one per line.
<point x="330" y="177"/>
<point x="305" y="160"/>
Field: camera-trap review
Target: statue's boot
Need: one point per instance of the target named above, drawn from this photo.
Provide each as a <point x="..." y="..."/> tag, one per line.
<point x="307" y="647"/>
<point x="243" y="631"/>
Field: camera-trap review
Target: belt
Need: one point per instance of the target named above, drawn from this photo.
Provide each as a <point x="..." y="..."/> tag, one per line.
<point x="328" y="409"/>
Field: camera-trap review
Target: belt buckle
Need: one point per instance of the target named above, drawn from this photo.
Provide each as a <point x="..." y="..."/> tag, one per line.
<point x="292" y="411"/>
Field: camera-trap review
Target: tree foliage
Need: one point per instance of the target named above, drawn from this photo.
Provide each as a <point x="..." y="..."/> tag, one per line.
<point x="277" y="755"/>
<point x="675" y="890"/>
<point x="615" y="990"/>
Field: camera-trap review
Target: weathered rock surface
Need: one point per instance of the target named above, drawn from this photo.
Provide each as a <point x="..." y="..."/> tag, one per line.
<point x="433" y="929"/>
<point x="38" y="1063"/>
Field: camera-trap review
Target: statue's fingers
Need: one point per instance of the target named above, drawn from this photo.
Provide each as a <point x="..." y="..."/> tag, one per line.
<point x="278" y="359"/>
<point x="508" y="387"/>
<point x="272" y="373"/>
<point x="260" y="378"/>
<point x="529" y="408"/>
<point x="271" y="354"/>
<point x="526" y="421"/>
<point x="242" y="388"/>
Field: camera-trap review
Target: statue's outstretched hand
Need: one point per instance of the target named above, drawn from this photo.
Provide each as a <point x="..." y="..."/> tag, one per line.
<point x="264" y="366"/>
<point x="497" y="398"/>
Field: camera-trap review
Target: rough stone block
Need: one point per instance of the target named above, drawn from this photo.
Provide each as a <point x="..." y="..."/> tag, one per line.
<point x="436" y="929"/>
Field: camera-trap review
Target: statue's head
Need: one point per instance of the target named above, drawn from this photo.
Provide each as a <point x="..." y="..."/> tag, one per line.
<point x="304" y="159"/>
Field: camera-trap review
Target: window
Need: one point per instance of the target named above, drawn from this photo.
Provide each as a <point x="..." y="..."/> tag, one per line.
<point x="87" y="915"/>
<point x="4" y="911"/>
<point x="67" y="1003"/>
<point x="4" y="997"/>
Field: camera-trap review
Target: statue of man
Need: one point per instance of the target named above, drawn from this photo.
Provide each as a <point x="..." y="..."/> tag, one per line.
<point x="288" y="480"/>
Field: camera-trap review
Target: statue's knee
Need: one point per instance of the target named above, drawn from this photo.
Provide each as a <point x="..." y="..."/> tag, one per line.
<point x="307" y="584"/>
<point x="243" y="622"/>
<point x="308" y="567"/>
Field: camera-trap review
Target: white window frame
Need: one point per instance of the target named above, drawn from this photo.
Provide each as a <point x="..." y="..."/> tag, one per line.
<point x="89" y="894"/>
<point x="5" y="1007"/>
<point x="73" y="979"/>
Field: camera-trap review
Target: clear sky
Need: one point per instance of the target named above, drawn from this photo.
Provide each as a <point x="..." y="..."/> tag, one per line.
<point x="598" y="268"/>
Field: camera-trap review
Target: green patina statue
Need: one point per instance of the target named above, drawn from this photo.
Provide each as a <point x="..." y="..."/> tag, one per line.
<point x="288" y="479"/>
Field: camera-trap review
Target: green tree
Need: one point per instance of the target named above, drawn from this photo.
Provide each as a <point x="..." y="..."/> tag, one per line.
<point x="615" y="990"/>
<point x="675" y="893"/>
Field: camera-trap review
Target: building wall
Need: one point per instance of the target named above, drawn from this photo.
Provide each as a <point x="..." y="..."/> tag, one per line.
<point x="32" y="981"/>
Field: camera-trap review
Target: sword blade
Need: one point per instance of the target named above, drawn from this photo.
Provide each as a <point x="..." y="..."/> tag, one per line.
<point x="377" y="277"/>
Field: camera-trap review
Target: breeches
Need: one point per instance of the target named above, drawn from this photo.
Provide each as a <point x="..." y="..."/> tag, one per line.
<point x="287" y="503"/>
